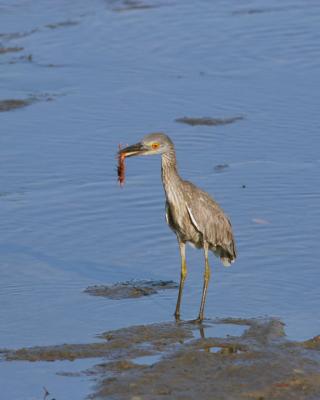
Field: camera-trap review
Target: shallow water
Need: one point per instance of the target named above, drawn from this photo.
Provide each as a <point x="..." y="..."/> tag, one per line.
<point x="112" y="74"/>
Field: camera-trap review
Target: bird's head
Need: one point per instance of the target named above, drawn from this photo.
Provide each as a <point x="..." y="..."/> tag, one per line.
<point x="154" y="143"/>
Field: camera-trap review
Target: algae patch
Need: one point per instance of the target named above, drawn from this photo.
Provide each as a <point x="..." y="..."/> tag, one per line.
<point x="13" y="104"/>
<point x="208" y="121"/>
<point x="4" y="50"/>
<point x="130" y="289"/>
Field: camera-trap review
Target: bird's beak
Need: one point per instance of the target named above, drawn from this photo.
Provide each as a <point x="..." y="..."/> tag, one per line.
<point x="133" y="150"/>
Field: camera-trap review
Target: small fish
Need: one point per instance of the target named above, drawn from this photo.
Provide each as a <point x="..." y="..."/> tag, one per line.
<point x="121" y="168"/>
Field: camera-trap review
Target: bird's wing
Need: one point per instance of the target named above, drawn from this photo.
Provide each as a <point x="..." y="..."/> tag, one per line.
<point x="208" y="218"/>
<point x="193" y="220"/>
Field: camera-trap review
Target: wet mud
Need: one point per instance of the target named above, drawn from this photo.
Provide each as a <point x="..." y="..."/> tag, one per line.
<point x="4" y="50"/>
<point x="14" y="104"/>
<point x="313" y="343"/>
<point x="208" y="121"/>
<point x="188" y="360"/>
<point x="130" y="289"/>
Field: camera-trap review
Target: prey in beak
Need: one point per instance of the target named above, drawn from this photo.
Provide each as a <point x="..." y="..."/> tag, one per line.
<point x="145" y="147"/>
<point x="128" y="151"/>
<point x="133" y="150"/>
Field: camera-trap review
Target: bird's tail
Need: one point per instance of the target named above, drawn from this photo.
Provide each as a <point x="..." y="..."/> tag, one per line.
<point x="226" y="261"/>
<point x="228" y="256"/>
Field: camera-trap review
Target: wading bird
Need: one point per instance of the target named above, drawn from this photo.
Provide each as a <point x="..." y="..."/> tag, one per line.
<point x="190" y="212"/>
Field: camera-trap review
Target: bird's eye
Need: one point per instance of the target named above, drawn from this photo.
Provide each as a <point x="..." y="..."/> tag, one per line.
<point x="155" y="146"/>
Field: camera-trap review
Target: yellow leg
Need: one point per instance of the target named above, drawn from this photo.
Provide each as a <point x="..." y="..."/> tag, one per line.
<point x="183" y="275"/>
<point x="207" y="274"/>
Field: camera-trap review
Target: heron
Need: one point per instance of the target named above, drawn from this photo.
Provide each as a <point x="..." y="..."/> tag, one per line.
<point x="190" y="212"/>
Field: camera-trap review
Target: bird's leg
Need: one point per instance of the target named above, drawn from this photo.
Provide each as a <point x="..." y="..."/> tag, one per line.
<point x="207" y="274"/>
<point x="183" y="275"/>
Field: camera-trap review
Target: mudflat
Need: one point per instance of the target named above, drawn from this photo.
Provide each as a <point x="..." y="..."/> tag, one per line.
<point x="188" y="360"/>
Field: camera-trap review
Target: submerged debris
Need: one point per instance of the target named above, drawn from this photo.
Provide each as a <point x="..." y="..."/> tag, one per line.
<point x="221" y="167"/>
<point x="132" y="5"/>
<point x="208" y="121"/>
<point x="130" y="289"/>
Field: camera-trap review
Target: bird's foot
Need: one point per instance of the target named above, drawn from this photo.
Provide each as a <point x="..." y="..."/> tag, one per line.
<point x="177" y="316"/>
<point x="197" y="321"/>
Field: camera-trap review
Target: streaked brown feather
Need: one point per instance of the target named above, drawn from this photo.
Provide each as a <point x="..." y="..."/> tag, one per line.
<point x="195" y="217"/>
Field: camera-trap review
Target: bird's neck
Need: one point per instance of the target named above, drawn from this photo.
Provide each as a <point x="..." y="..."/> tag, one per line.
<point x="170" y="175"/>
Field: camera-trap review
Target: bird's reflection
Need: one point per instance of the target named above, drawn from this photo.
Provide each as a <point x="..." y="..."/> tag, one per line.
<point x="206" y="345"/>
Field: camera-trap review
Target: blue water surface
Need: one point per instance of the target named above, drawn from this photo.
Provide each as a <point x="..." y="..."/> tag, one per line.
<point x="108" y="72"/>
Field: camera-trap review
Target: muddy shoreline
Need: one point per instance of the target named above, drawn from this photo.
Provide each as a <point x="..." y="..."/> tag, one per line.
<point x="187" y="361"/>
